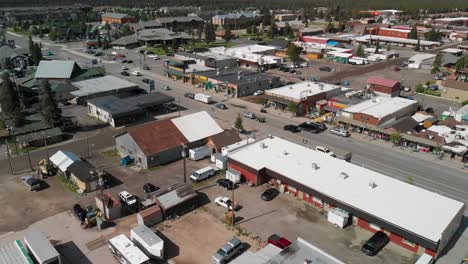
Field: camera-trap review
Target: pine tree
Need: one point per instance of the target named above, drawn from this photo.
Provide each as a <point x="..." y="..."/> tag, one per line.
<point x="418" y="45"/>
<point x="273" y="31"/>
<point x="413" y="34"/>
<point x="228" y="35"/>
<point x="37" y="54"/>
<point x="49" y="109"/>
<point x="437" y="63"/>
<point x="9" y="99"/>
<point x="360" y="51"/>
<point x="210" y="35"/>
<point x="293" y="52"/>
<point x="31" y="45"/>
<point x="238" y="123"/>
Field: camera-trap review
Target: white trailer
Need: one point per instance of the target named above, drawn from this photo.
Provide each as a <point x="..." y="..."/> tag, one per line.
<point x="358" y="61"/>
<point x="200" y="152"/>
<point x="148" y="241"/>
<point x="40" y="248"/>
<point x="338" y="217"/>
<point x="377" y="57"/>
<point x="125" y="251"/>
<point x="233" y="176"/>
<point x="204" y="98"/>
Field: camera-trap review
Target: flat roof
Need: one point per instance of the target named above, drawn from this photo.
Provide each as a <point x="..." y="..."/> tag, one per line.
<point x="147" y="235"/>
<point x="302" y="89"/>
<point x="380" y="107"/>
<point x="40" y="246"/>
<point x="350" y="184"/>
<point x="420" y="57"/>
<point x="14" y="253"/>
<point x="126" y="247"/>
<point x="367" y="38"/>
<point x="197" y="126"/>
<point x="101" y="84"/>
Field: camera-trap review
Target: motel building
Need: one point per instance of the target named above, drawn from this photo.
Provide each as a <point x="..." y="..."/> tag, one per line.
<point x="416" y="219"/>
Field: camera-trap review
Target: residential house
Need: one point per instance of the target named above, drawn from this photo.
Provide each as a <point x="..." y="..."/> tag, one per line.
<point x="160" y="142"/>
<point x="17" y="57"/>
<point x="117" y="18"/>
<point x="223" y="139"/>
<point x="455" y="89"/>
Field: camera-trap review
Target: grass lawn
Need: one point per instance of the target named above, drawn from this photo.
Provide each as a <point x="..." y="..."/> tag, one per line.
<point x="157" y="51"/>
<point x="67" y="183"/>
<point x="112" y="153"/>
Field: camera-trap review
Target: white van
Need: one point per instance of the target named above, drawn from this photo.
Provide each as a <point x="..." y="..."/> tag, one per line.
<point x="202" y="174"/>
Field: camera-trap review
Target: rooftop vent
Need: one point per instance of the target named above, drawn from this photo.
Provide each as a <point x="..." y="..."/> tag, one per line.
<point x="315" y="166"/>
<point x="285" y="152"/>
<point x="372" y="185"/>
<point x="344" y="175"/>
<point x="262" y="145"/>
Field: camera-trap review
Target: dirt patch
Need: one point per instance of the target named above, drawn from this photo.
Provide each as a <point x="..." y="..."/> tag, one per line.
<point x="198" y="235"/>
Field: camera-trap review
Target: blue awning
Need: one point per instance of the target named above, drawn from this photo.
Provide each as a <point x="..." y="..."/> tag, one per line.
<point x="332" y="43"/>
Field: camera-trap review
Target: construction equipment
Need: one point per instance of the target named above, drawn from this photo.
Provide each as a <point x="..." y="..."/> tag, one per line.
<point x="45" y="169"/>
<point x="91" y="217"/>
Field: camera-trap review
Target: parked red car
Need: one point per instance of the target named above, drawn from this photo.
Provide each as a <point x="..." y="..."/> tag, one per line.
<point x="278" y="241"/>
<point x="396" y="68"/>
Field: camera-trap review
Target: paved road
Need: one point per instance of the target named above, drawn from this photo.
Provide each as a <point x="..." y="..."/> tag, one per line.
<point x="443" y="177"/>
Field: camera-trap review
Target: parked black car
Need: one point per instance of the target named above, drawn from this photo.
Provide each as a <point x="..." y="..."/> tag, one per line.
<point x="145" y="80"/>
<point x="269" y="194"/>
<point x="228" y="184"/>
<point x="326" y="69"/>
<point x="292" y="128"/>
<point x="221" y="106"/>
<point x="79" y="212"/>
<point x="129" y="61"/>
<point x="149" y="188"/>
<point x="124" y="73"/>
<point x="189" y="95"/>
<point x="375" y="243"/>
<point x="307" y="126"/>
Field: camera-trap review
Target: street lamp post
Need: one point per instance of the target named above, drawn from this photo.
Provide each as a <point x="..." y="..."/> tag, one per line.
<point x="184" y="156"/>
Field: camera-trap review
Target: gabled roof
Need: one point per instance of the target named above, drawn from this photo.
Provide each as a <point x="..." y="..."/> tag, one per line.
<point x="56" y="69"/>
<point x="197" y="126"/>
<point x="127" y="40"/>
<point x="82" y="170"/>
<point x="158" y="136"/>
<point x="225" y="138"/>
<point x="63" y="159"/>
<point x="382" y="81"/>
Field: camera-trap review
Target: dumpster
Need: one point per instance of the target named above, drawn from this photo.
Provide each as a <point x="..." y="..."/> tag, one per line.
<point x="126" y="161"/>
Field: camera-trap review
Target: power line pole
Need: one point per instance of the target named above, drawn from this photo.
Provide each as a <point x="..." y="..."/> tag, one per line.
<point x="9" y="159"/>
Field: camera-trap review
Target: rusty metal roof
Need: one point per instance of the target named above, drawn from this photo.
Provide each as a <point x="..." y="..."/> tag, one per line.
<point x="157" y="136"/>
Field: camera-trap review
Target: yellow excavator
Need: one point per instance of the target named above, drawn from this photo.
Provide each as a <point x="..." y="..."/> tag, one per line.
<point x="45" y="169"/>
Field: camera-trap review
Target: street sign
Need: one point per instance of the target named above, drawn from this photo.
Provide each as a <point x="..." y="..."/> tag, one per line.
<point x="151" y="85"/>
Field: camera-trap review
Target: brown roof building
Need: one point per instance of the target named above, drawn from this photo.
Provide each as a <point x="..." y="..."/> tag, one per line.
<point x="223" y="139"/>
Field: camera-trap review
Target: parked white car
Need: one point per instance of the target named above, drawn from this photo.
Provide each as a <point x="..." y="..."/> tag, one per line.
<point x="340" y="132"/>
<point x="127" y="198"/>
<point x="325" y="150"/>
<point x="250" y="115"/>
<point x="154" y="56"/>
<point x="224" y="202"/>
<point x="135" y="73"/>
<point x="259" y="92"/>
<point x="124" y="68"/>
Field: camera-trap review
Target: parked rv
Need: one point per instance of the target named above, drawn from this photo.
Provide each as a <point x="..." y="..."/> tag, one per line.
<point x="204" y="98"/>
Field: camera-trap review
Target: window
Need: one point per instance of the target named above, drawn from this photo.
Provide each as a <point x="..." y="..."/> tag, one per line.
<point x="411" y="244"/>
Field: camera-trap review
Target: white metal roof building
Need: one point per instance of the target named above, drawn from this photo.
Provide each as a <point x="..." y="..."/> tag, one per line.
<point x="415" y="214"/>
<point x="189" y="126"/>
<point x="126" y="249"/>
<point x="370" y="38"/>
<point x="303" y="90"/>
<point x="63" y="159"/>
<point x="40" y="247"/>
<point x="381" y="109"/>
<point x="56" y="69"/>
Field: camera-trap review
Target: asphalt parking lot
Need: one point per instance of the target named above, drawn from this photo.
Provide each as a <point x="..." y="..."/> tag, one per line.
<point x="289" y="217"/>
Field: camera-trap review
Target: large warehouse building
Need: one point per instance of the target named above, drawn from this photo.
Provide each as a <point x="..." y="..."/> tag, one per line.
<point x="414" y="218"/>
